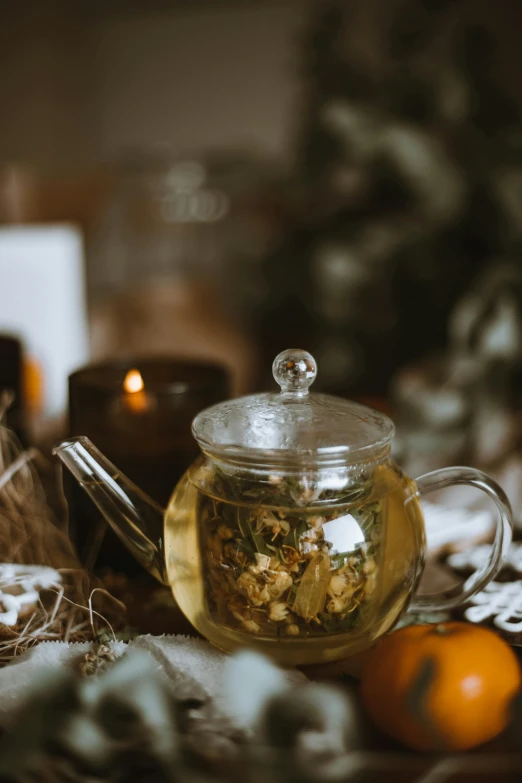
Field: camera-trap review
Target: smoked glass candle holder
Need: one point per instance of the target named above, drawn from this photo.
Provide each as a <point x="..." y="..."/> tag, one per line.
<point x="11" y="383"/>
<point x="140" y="412"/>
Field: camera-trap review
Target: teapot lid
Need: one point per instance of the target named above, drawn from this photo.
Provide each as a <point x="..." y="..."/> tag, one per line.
<point x="292" y="422"/>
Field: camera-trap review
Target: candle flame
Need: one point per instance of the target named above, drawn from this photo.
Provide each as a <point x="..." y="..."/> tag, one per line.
<point x="133" y="382"/>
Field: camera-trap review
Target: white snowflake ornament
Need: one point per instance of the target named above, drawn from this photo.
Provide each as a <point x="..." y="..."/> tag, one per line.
<point x="501" y="603"/>
<point x="20" y="587"/>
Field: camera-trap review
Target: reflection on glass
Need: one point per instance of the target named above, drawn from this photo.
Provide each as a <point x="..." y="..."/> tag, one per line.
<point x="343" y="534"/>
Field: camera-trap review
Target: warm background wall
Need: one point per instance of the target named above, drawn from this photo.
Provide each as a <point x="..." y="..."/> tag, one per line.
<point x="80" y="81"/>
<point x="80" y="84"/>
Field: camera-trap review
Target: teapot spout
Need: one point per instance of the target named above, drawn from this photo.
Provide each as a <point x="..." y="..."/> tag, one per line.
<point x="135" y="518"/>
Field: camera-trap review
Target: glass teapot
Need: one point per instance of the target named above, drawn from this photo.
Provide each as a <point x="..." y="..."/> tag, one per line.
<point x="293" y="532"/>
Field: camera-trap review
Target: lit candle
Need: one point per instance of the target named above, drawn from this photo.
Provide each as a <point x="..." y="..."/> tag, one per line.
<point x="140" y="419"/>
<point x="135" y="397"/>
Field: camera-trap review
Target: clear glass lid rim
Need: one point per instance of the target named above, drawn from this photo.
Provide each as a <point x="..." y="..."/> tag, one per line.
<point x="341" y="450"/>
<point x="329" y="456"/>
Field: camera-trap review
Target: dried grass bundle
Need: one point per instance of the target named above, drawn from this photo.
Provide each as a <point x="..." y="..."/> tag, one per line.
<point x="32" y="534"/>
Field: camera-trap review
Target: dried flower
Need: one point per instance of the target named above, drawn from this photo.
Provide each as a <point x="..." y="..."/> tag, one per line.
<point x="97" y="660"/>
<point x="309" y="548"/>
<point x="337" y="605"/>
<point x="337" y="584"/>
<point x="246" y="582"/>
<point x="267" y="519"/>
<point x="277" y="611"/>
<point x="262" y="564"/>
<point x="283" y="582"/>
<point x="256" y="592"/>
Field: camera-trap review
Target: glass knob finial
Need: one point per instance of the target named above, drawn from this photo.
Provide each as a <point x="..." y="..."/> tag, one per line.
<point x="295" y="371"/>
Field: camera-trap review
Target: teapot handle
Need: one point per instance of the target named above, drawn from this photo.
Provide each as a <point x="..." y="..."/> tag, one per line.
<point x="459" y="594"/>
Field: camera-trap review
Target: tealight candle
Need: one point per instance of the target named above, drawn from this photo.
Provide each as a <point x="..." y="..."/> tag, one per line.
<point x="139" y="413"/>
<point x="135" y="397"/>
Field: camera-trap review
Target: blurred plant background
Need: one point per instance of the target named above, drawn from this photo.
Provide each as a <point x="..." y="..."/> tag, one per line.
<point x="341" y="175"/>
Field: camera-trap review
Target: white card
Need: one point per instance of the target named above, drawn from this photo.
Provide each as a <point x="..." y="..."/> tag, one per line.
<point x="42" y="301"/>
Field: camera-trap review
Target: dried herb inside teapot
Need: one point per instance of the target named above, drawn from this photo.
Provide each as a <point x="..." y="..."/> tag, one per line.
<point x="274" y="559"/>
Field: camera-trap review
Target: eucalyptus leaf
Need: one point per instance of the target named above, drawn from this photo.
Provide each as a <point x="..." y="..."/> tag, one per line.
<point x="228" y="513"/>
<point x="244" y="545"/>
<point x="260" y="544"/>
<point x="293" y="538"/>
<point x="243" y="522"/>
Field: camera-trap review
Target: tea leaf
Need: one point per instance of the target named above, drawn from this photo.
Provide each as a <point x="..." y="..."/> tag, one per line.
<point x="255" y="541"/>
<point x="260" y="544"/>
<point x="335" y="624"/>
<point x="294" y="536"/>
<point x="243" y="522"/>
<point x="245" y="546"/>
<point x="311" y="593"/>
<point x="228" y="513"/>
